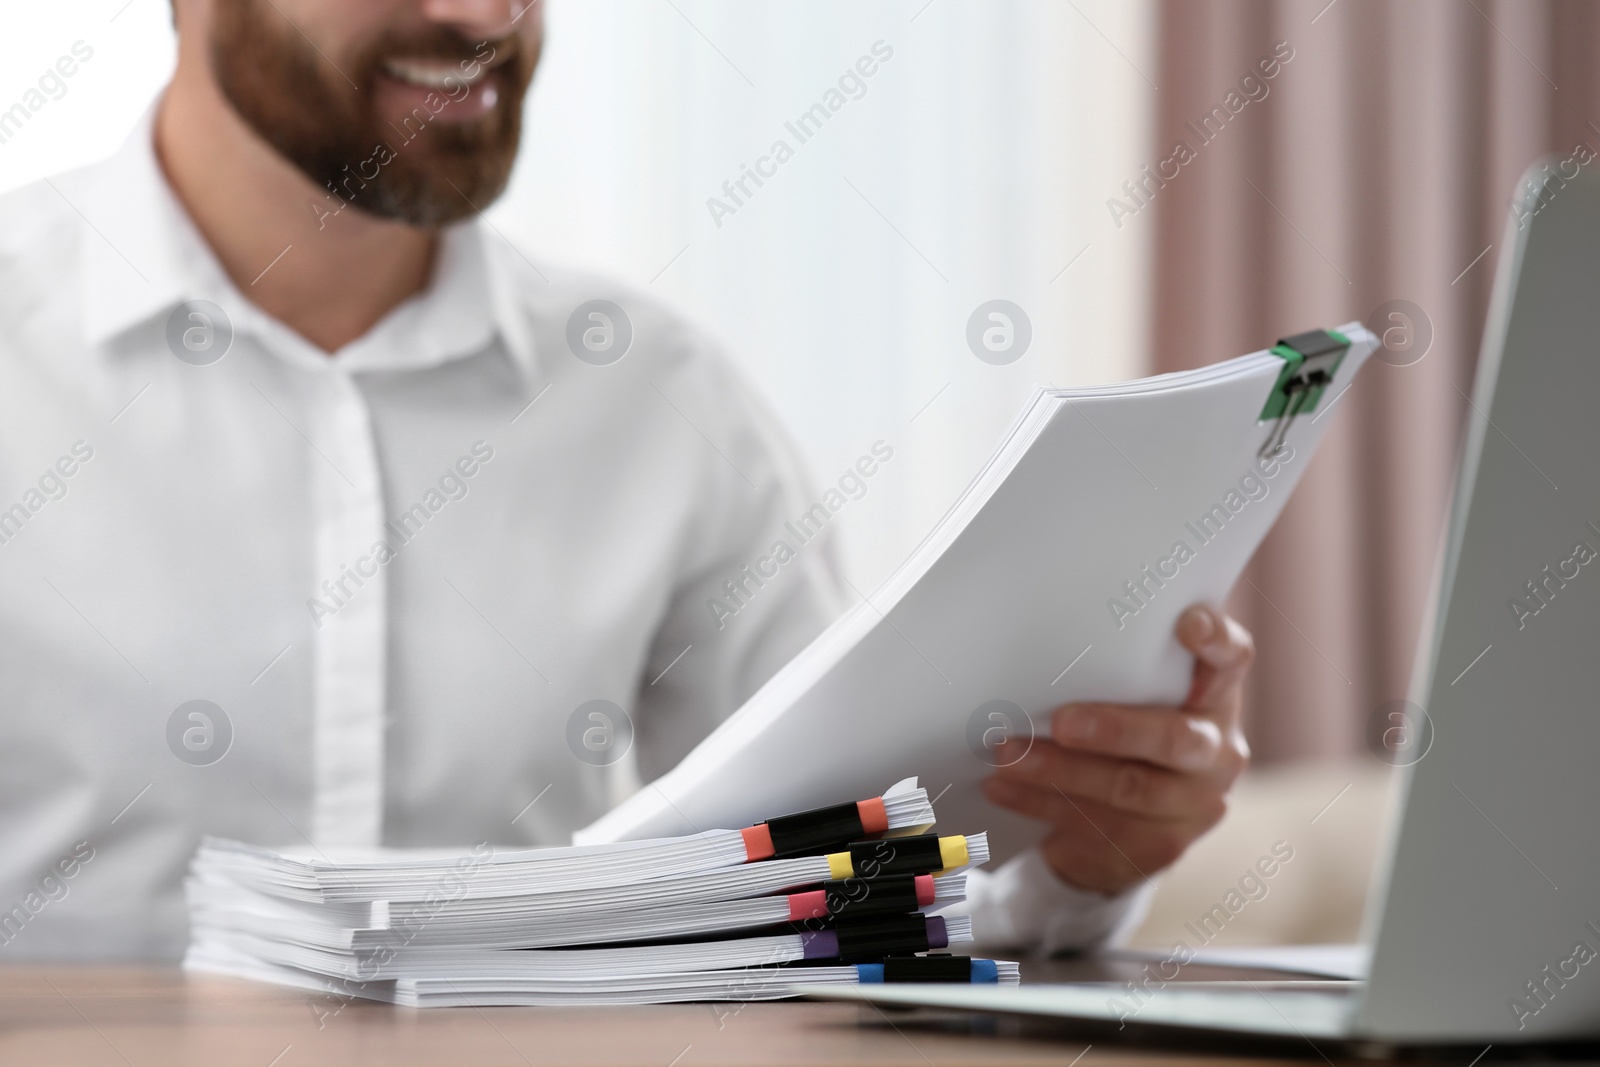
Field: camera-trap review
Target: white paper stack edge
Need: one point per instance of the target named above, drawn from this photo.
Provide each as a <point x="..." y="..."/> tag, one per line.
<point x="711" y="916"/>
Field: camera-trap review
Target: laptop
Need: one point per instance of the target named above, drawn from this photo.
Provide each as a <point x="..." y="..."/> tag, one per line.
<point x="1484" y="923"/>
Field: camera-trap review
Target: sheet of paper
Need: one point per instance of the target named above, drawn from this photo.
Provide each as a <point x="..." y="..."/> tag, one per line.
<point x="1130" y="504"/>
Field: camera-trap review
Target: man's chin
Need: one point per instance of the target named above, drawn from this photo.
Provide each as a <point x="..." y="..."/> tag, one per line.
<point x="424" y="175"/>
<point x="431" y="198"/>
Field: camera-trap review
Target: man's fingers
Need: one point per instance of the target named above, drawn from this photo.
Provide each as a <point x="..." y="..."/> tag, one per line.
<point x="1126" y="788"/>
<point x="1080" y="818"/>
<point x="1223" y="651"/>
<point x="1166" y="737"/>
<point x="1131" y="786"/>
<point x="1090" y="845"/>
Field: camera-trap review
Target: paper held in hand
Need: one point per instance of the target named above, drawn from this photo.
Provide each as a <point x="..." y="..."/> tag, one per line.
<point x="1057" y="576"/>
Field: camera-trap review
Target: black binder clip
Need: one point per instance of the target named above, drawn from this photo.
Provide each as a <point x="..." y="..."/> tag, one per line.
<point x="1310" y="360"/>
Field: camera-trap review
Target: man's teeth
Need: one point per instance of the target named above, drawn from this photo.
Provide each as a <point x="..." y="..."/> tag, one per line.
<point x="431" y="74"/>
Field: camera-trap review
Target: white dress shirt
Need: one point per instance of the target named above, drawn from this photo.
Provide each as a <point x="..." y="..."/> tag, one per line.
<point x="398" y="575"/>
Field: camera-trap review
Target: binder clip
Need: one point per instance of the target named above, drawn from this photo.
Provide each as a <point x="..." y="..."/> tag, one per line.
<point x="1310" y="360"/>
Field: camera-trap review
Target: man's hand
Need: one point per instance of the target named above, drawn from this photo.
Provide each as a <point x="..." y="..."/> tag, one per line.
<point x="1127" y="788"/>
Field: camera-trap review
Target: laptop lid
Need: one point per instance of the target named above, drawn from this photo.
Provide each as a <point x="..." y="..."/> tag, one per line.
<point x="1490" y="925"/>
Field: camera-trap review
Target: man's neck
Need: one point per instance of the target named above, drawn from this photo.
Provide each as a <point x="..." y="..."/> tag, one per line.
<point x="329" y="278"/>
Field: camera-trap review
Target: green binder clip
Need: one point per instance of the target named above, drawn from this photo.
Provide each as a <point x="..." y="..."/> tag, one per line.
<point x="1309" y="362"/>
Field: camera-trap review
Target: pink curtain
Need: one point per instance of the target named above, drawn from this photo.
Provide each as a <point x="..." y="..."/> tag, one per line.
<point x="1380" y="166"/>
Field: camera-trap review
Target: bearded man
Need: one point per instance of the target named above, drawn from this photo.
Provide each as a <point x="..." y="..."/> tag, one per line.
<point x="331" y="518"/>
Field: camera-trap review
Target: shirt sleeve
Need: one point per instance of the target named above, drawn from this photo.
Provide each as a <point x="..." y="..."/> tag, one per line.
<point x="1023" y="905"/>
<point x="758" y="580"/>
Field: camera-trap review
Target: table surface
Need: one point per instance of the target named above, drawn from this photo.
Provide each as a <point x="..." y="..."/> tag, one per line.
<point x="134" y="1016"/>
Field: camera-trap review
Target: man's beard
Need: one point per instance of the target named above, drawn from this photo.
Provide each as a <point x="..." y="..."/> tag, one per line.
<point x="420" y="171"/>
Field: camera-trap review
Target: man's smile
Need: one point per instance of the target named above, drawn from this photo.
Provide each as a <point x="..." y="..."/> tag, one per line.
<point x="472" y="85"/>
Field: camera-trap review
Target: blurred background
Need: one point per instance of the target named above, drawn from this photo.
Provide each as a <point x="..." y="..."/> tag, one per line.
<point x="1004" y="149"/>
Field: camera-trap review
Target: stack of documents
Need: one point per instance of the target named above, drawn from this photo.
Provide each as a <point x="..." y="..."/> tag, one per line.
<point x="837" y="895"/>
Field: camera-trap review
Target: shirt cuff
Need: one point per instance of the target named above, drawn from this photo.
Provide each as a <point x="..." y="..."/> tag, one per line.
<point x="1024" y="905"/>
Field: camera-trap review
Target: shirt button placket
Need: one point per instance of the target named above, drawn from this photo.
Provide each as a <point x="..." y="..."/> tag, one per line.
<point x="348" y="713"/>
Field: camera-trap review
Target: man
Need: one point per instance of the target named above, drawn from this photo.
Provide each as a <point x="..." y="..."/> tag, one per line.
<point x="329" y="516"/>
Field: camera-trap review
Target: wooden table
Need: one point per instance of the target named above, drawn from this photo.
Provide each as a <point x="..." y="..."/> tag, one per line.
<point x="160" y="1017"/>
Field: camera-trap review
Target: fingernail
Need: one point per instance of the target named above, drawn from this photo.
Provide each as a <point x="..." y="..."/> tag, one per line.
<point x="1193" y="752"/>
<point x="1201" y="625"/>
<point x="1197" y="747"/>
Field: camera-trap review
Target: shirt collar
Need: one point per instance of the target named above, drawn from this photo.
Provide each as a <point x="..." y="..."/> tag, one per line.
<point x="145" y="257"/>
<point x="135" y="265"/>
